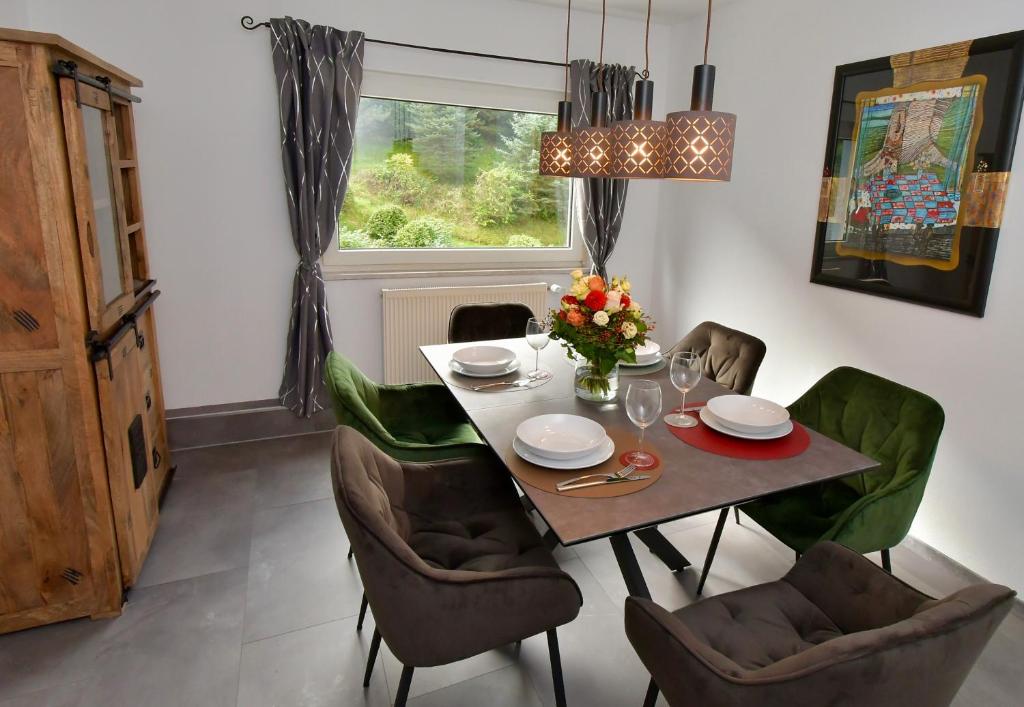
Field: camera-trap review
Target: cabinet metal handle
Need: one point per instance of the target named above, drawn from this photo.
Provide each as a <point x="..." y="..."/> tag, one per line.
<point x="149" y="401"/>
<point x="156" y="459"/>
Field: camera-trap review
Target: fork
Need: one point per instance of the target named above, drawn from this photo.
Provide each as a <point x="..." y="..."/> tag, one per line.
<point x="621" y="474"/>
<point x="522" y="383"/>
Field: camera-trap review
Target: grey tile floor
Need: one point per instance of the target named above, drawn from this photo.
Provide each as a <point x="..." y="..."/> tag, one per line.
<point x="247" y="599"/>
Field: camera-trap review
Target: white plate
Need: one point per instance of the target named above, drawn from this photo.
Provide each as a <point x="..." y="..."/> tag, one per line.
<point x="628" y="369"/>
<point x="709" y="419"/>
<point x="747" y="414"/>
<point x="599" y="456"/>
<point x="455" y="366"/>
<point x="484" y="359"/>
<point x="560" y="436"/>
<point x="648" y="354"/>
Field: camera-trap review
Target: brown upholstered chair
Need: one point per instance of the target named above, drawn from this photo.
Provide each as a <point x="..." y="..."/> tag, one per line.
<point x="481" y="322"/>
<point x="450" y="563"/>
<point x="836" y="630"/>
<point x="729" y="357"/>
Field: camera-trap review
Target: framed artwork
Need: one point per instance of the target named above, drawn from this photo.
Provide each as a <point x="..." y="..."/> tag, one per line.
<point x="916" y="169"/>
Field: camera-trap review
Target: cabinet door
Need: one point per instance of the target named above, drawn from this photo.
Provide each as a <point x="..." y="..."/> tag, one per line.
<point x="128" y="439"/>
<point x="95" y="164"/>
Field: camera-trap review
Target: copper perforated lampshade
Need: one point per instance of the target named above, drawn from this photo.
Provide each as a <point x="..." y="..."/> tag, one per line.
<point x="592" y="147"/>
<point x="556" y="147"/>
<point x="639" y="146"/>
<point x="701" y="139"/>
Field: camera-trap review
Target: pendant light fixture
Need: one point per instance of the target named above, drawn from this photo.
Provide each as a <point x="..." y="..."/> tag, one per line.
<point x="700" y="139"/>
<point x="639" y="146"/>
<point x="592" y="146"/>
<point x="556" y="147"/>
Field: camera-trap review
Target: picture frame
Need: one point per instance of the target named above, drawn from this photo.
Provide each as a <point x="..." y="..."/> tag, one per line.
<point x="917" y="163"/>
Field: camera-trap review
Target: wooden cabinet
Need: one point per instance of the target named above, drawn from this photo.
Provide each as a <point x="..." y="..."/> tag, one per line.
<point x="83" y="451"/>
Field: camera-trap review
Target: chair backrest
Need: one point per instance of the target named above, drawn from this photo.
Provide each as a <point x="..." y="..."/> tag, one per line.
<point x="481" y="322"/>
<point x="919" y="655"/>
<point x="355" y="398"/>
<point x="896" y="426"/>
<point x="730" y="357"/>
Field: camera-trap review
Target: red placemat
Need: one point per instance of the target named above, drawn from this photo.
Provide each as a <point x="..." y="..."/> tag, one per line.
<point x="703" y="437"/>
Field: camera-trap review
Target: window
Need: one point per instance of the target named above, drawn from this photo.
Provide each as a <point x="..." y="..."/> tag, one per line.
<point x="439" y="186"/>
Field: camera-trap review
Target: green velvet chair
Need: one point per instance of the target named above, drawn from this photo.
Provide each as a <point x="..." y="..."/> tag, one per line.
<point x="418" y="422"/>
<point x="894" y="425"/>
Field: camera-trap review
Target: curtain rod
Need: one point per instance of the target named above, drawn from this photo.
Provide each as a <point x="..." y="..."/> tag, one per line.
<point x="250" y="24"/>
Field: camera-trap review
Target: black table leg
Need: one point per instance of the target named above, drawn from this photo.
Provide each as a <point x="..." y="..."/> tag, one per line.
<point x="629" y="567"/>
<point x="660" y="546"/>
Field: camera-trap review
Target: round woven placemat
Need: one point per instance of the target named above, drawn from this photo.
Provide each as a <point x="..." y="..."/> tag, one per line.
<point x="547" y="479"/>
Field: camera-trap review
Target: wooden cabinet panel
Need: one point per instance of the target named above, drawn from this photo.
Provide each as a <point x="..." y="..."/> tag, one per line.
<point x="127" y="436"/>
<point x="26" y="305"/>
<point x="44" y="551"/>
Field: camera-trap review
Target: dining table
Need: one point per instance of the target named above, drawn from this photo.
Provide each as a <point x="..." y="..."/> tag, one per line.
<point x="691" y="481"/>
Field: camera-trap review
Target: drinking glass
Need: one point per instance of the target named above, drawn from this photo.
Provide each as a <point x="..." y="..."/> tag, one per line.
<point x="643" y="405"/>
<point x="537" y="337"/>
<point x="684" y="372"/>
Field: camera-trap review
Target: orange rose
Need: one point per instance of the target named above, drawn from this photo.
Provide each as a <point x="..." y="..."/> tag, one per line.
<point x="596" y="283"/>
<point x="575" y="317"/>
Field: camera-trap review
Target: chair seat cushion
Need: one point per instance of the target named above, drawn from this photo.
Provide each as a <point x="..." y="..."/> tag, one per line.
<point x="444" y="433"/>
<point x="802" y="517"/>
<point x="488" y="541"/>
<point x="759" y="626"/>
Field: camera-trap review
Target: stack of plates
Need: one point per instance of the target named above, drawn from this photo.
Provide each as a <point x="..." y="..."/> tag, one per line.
<point x="484" y="361"/>
<point x="562" y="442"/>
<point x="746" y="417"/>
<point x="646" y="355"/>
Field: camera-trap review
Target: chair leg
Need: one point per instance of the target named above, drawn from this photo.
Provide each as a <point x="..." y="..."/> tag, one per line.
<point x="556" y="669"/>
<point x="886" y="563"/>
<point x="652" y="694"/>
<point x="372" y="658"/>
<point x="351" y="552"/>
<point x="711" y="550"/>
<point x="403" y="686"/>
<point x="736" y="512"/>
<point x="362" y="613"/>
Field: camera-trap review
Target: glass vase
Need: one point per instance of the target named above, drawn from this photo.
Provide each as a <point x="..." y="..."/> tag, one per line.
<point x="591" y="385"/>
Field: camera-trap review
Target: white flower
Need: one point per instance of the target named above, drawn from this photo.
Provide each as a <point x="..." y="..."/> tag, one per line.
<point x="634" y="306"/>
<point x="628" y="329"/>
<point x="601" y="319"/>
<point x="614" y="303"/>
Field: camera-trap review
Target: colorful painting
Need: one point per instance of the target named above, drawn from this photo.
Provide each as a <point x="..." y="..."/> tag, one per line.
<point x="913" y="151"/>
<point x="916" y="169"/>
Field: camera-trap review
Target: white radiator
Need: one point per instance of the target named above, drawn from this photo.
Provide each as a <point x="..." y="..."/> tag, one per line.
<point x="419" y="316"/>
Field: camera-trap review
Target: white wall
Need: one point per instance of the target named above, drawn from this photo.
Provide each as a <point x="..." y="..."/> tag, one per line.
<point x="742" y="256"/>
<point x="215" y="208"/>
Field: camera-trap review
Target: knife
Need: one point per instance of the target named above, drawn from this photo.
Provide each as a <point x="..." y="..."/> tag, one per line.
<point x="634" y="477"/>
<point x="511" y="384"/>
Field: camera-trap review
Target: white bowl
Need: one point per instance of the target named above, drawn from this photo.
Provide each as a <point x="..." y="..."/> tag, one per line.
<point x="748" y="414"/>
<point x="649" y="353"/>
<point x="484" y="359"/>
<point x="559" y="436"/>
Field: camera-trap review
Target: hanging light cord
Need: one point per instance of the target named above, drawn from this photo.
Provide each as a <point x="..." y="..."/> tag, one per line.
<point x="707" y="33"/>
<point x="568" y="20"/>
<point x="600" y="55"/>
<point x="647" y="38"/>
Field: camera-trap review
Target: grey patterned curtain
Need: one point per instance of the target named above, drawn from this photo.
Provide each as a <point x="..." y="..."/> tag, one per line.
<point x="319" y="71"/>
<point x="599" y="212"/>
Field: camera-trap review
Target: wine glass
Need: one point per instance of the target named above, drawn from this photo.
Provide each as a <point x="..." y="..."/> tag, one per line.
<point x="643" y="405"/>
<point x="537" y="337"/>
<point x="684" y="372"/>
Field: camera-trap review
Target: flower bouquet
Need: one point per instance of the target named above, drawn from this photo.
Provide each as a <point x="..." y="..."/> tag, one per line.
<point x="601" y="324"/>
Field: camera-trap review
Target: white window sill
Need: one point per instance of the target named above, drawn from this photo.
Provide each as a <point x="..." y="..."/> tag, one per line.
<point x="336" y="273"/>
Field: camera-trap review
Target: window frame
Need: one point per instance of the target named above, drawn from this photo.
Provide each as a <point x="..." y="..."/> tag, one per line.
<point x="341" y="264"/>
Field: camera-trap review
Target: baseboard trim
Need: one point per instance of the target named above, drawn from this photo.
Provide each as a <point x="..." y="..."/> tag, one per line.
<point x="249" y="421"/>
